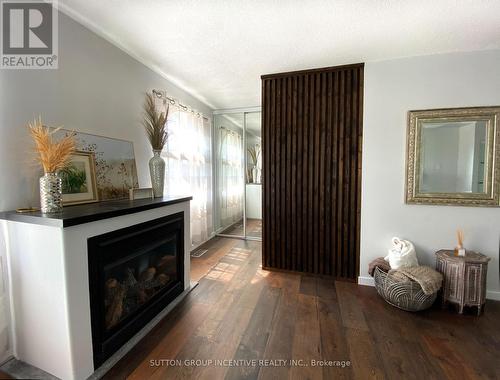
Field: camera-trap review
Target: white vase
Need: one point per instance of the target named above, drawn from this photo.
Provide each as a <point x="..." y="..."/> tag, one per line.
<point x="256" y="174"/>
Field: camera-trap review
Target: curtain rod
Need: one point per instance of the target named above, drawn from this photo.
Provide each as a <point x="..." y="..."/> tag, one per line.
<point x="163" y="95"/>
<point x="229" y="130"/>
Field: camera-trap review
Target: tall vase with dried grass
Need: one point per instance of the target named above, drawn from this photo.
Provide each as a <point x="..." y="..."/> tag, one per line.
<point x="155" y="125"/>
<point x="254" y="153"/>
<point x="52" y="156"/>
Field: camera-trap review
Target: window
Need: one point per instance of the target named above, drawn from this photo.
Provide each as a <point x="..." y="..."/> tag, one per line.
<point x="189" y="167"/>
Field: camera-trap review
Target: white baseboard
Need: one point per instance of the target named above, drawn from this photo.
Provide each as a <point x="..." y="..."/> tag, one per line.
<point x="493" y="295"/>
<point x="369" y="281"/>
<point x="366" y="281"/>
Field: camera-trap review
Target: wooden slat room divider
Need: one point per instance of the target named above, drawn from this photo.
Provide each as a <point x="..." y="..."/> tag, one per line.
<point x="312" y="135"/>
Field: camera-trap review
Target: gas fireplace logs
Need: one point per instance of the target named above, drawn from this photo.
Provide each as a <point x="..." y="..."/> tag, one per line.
<point x="122" y="297"/>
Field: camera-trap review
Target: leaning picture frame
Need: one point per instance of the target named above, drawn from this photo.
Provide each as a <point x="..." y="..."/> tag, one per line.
<point x="79" y="183"/>
<point x="115" y="166"/>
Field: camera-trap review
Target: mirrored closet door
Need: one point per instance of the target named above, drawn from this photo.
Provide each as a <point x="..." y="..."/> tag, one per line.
<point x="238" y="164"/>
<point x="253" y="187"/>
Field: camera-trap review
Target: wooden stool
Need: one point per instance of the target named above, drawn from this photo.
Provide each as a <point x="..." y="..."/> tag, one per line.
<point x="464" y="281"/>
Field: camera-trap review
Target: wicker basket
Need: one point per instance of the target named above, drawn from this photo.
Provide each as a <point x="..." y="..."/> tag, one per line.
<point x="407" y="295"/>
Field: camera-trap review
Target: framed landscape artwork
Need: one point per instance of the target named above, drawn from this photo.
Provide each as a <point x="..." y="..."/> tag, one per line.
<point x="115" y="167"/>
<point x="79" y="180"/>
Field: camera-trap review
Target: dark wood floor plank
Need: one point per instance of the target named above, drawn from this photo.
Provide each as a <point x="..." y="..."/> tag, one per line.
<point x="480" y="351"/>
<point x="240" y="310"/>
<point x="395" y="323"/>
<point x="403" y="359"/>
<point x="139" y="353"/>
<point x="351" y="309"/>
<point x="453" y="364"/>
<point x="307" y="340"/>
<point x="227" y="342"/>
<point x="196" y="347"/>
<point x="365" y="359"/>
<point x="326" y="288"/>
<point x="254" y="341"/>
<point x="280" y="343"/>
<point x="308" y="285"/>
<point x="333" y="341"/>
<point x="216" y="249"/>
<point x="283" y="280"/>
<point x="218" y="336"/>
<point x="173" y="342"/>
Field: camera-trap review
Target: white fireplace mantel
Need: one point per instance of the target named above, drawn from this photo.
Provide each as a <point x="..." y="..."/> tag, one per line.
<point x="49" y="282"/>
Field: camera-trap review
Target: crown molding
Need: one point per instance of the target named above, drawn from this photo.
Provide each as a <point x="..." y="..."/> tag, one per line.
<point x="92" y="26"/>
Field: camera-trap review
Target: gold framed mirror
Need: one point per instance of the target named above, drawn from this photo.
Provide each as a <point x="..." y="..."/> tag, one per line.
<point x="453" y="157"/>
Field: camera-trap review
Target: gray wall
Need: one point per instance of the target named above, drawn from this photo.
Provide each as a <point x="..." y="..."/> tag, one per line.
<point x="391" y="89"/>
<point x="97" y="89"/>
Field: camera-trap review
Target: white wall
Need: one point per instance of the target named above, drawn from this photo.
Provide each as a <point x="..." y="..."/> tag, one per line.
<point x="5" y="330"/>
<point x="97" y="89"/>
<point x="391" y="89"/>
<point x="254" y="201"/>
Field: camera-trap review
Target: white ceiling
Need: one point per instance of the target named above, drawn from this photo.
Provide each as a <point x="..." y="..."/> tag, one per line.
<point x="217" y="49"/>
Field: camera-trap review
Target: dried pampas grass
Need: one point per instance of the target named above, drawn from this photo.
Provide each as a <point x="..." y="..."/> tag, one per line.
<point x="155" y="123"/>
<point x="254" y="153"/>
<point x="52" y="155"/>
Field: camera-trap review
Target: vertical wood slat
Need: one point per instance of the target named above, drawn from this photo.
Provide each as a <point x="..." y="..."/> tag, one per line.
<point x="277" y="170"/>
<point x="316" y="127"/>
<point x="335" y="173"/>
<point x="282" y="173"/>
<point x="340" y="177"/>
<point x="346" y="174"/>
<point x="305" y="159"/>
<point x="358" y="166"/>
<point x="288" y="173"/>
<point x="293" y="201"/>
<point x="322" y="187"/>
<point x="310" y="180"/>
<point x="312" y="143"/>
<point x="273" y="158"/>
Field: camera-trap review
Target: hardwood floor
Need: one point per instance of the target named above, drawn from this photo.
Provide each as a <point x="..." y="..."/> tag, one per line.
<point x="216" y="248"/>
<point x="254" y="228"/>
<point x="242" y="313"/>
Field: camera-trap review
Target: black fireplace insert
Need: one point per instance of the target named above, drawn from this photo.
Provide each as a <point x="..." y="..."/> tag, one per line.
<point x="134" y="273"/>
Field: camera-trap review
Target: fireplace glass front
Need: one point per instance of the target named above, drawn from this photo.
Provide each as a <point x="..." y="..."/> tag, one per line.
<point x="134" y="273"/>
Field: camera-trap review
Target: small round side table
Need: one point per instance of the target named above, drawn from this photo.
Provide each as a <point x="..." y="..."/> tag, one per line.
<point x="464" y="277"/>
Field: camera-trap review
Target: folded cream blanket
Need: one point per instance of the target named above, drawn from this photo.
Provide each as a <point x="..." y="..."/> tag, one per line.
<point x="402" y="254"/>
<point x="429" y="279"/>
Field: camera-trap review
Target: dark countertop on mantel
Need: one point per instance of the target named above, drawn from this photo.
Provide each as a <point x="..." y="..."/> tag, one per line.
<point x="91" y="212"/>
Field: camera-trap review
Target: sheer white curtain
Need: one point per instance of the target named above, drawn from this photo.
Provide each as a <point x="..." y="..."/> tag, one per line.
<point x="189" y="167"/>
<point x="231" y="176"/>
